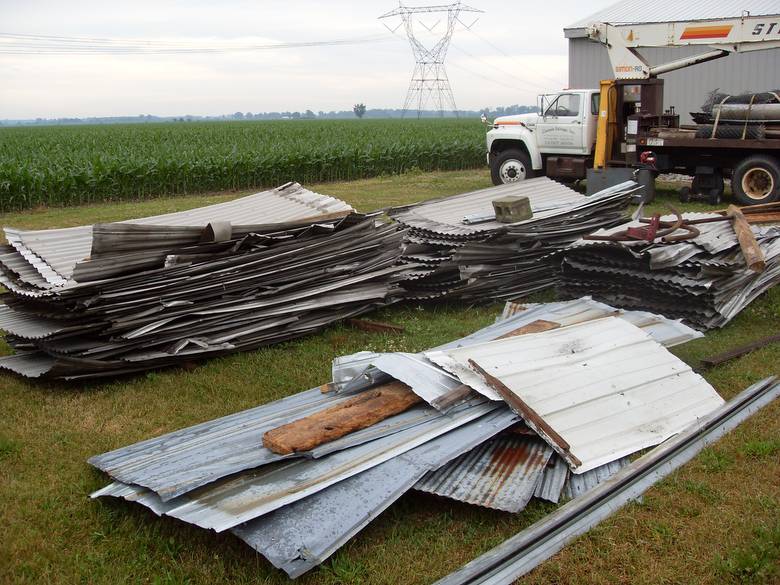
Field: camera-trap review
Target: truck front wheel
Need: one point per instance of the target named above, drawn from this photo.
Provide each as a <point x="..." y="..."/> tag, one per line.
<point x="511" y="166"/>
<point x="756" y="180"/>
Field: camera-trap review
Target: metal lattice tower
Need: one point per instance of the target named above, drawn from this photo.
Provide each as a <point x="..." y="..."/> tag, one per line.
<point x="429" y="81"/>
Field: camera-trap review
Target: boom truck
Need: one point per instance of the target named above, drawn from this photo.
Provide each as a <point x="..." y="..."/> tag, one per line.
<point x="606" y="134"/>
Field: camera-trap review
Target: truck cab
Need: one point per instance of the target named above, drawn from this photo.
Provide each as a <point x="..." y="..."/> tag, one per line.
<point x="557" y="142"/>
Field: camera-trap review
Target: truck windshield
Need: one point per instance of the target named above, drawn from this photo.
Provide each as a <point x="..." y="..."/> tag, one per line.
<point x="566" y="104"/>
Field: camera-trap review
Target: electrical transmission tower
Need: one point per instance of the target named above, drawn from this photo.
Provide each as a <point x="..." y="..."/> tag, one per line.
<point x="429" y="80"/>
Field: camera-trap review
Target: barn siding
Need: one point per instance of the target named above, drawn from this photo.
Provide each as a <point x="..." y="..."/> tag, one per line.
<point x="685" y="89"/>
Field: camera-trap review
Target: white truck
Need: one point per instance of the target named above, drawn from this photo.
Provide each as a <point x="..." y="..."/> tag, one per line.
<point x="558" y="141"/>
<point x="603" y="134"/>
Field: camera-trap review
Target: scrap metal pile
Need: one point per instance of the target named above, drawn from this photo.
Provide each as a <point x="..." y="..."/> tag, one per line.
<point x="124" y="297"/>
<point x="465" y="252"/>
<point x="705" y="276"/>
<point x="548" y="402"/>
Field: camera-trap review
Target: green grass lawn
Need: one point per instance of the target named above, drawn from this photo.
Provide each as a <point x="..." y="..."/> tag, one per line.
<point x="716" y="520"/>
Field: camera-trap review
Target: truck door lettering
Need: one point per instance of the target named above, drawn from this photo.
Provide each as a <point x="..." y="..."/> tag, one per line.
<point x="758" y="28"/>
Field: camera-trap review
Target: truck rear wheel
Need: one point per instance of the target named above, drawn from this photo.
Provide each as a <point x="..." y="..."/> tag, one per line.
<point x="511" y="166"/>
<point x="756" y="180"/>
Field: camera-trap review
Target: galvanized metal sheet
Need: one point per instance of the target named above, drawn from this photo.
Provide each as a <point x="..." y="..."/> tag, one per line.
<point x="704" y="280"/>
<point x="553" y="480"/>
<point x="56" y="252"/>
<point x="231" y="501"/>
<point x="428" y="381"/>
<point x="298" y="537"/>
<point x="178" y="462"/>
<point x="596" y="391"/>
<point x="578" y="484"/>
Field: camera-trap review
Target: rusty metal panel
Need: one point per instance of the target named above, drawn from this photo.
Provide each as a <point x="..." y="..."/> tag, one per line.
<point x="501" y="474"/>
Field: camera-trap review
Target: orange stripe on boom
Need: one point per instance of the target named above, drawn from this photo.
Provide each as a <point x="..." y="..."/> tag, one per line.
<point x="705" y="32"/>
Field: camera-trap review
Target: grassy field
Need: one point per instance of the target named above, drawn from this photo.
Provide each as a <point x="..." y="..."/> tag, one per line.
<point x="67" y="165"/>
<point x="716" y="520"/>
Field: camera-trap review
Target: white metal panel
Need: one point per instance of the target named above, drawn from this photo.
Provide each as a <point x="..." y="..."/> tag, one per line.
<point x="605" y="387"/>
<point x="641" y="11"/>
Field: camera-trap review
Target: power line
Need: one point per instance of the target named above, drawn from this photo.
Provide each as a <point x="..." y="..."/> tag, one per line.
<point x="22" y="44"/>
<point x="499" y="69"/>
<point x="500" y="50"/>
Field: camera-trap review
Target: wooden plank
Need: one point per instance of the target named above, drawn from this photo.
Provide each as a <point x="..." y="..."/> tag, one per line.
<point x="731" y="354"/>
<point x="754" y="257"/>
<point x="357" y="413"/>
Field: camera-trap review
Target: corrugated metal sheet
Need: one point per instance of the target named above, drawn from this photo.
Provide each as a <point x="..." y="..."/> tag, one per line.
<point x="685" y="89"/>
<point x="302" y="535"/>
<point x="667" y="332"/>
<point x="596" y="391"/>
<point x="578" y="484"/>
<point x="298" y="537"/>
<point x="445" y="216"/>
<point x="56" y="252"/>
<point x="501" y="474"/>
<point x="250" y="291"/>
<point x="495" y="260"/>
<point x="178" y="462"/>
<point x="553" y="480"/>
<point x="427" y="380"/>
<point x="236" y="499"/>
<point x="704" y="281"/>
<point x="638" y="11"/>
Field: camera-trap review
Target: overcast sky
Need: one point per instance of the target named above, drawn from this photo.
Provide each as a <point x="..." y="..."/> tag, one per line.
<point x="517" y="49"/>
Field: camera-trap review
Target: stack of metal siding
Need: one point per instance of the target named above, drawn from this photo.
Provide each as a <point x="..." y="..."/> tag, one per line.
<point x="116" y="298"/>
<point x="463" y="251"/>
<point x="298" y="509"/>
<point x="704" y="281"/>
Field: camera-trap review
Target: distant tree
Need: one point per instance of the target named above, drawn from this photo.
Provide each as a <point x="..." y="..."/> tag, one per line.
<point x="238" y="116"/>
<point x="309" y="115"/>
<point x="359" y="109"/>
<point x="248" y="116"/>
<point x="296" y="115"/>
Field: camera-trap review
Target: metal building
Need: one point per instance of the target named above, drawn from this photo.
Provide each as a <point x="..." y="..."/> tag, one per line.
<point x="685" y="89"/>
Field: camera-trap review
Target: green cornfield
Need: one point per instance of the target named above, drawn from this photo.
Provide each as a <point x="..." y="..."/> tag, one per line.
<point x="70" y="165"/>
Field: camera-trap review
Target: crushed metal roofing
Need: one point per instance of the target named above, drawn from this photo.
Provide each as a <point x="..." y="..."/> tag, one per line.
<point x="55" y="253"/>
<point x="596" y="391"/>
<point x="502" y="473"/>
<point x="703" y="281"/>
<point x="480" y="259"/>
<point x="166" y="304"/>
<point x="298" y="510"/>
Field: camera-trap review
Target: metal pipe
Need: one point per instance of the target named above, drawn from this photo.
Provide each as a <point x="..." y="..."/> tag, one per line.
<point x="687" y="62"/>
